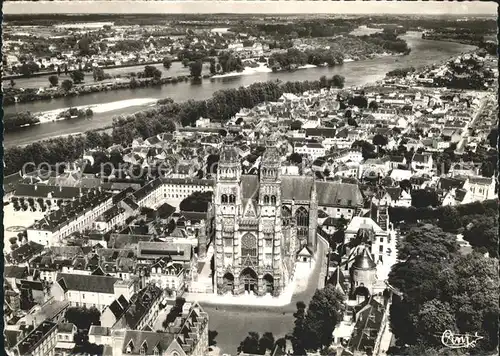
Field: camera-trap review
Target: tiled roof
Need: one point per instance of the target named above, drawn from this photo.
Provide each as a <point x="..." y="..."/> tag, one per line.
<point x="26" y="251"/>
<point x="447" y="183"/>
<point x="194" y="216"/>
<point x="84" y="283"/>
<point x="35" y="338"/>
<point x="421" y="157"/>
<point x="99" y="330"/>
<point x="135" y="339"/>
<point x="65" y="327"/>
<point x="10" y="182"/>
<point x="43" y="191"/>
<point x="178" y="252"/>
<point x="188" y="181"/>
<point x="165" y="211"/>
<point x="141" y="305"/>
<point x="480" y="180"/>
<point x="15" y="272"/>
<point x="148" y="188"/>
<point x="321" y="132"/>
<point x="368" y="321"/>
<point x="299" y="188"/>
<point x="335" y="194"/>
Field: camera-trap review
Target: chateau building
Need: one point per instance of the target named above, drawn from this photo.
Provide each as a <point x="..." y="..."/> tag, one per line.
<point x="262" y="221"/>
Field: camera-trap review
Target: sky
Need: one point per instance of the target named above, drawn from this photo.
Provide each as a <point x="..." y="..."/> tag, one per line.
<point x="242" y="7"/>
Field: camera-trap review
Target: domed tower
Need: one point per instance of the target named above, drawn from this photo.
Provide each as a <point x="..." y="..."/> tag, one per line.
<point x="227" y="207"/>
<point x="363" y="274"/>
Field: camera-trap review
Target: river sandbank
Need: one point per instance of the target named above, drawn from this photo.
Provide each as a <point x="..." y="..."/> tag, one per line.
<point x="52" y="115"/>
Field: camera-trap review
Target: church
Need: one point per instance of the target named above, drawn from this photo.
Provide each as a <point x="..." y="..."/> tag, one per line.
<point x="263" y="221"/>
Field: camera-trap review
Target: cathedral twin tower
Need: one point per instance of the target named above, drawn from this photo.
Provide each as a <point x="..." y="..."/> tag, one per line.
<point x="261" y="222"/>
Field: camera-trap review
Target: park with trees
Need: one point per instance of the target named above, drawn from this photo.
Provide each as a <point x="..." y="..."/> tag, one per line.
<point x="440" y="288"/>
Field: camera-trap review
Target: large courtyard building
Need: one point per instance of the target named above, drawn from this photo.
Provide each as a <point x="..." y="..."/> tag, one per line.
<point x="262" y="221"/>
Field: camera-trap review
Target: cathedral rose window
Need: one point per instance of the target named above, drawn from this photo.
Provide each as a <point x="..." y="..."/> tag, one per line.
<point x="249" y="245"/>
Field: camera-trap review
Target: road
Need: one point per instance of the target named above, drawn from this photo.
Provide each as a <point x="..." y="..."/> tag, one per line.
<point x="470" y="124"/>
<point x="233" y="323"/>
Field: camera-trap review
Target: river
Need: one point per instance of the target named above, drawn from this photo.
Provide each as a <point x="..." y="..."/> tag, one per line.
<point x="424" y="52"/>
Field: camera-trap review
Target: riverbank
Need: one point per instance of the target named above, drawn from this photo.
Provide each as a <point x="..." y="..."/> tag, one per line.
<point x="356" y="73"/>
<point x="19" y="96"/>
<point x="53" y="115"/>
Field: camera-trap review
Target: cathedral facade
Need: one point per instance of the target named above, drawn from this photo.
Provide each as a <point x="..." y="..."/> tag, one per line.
<point x="262" y="221"/>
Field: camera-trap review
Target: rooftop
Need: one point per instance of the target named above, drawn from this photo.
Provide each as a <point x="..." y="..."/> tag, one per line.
<point x="85" y="283"/>
<point x="70" y="211"/>
<point x="35" y="338"/>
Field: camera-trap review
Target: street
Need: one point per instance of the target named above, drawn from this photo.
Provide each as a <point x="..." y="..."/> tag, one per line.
<point x="470" y="124"/>
<point x="233" y="323"/>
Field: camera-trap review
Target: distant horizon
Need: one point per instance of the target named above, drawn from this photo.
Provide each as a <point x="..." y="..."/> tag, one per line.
<point x="373" y="8"/>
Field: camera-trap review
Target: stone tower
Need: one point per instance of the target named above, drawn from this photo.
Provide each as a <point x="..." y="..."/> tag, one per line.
<point x="363" y="272"/>
<point x="313" y="221"/>
<point x="270" y="222"/>
<point x="227" y="206"/>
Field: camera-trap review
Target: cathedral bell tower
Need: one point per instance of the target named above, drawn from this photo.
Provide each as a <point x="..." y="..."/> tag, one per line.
<point x="227" y="205"/>
<point x="270" y="222"/>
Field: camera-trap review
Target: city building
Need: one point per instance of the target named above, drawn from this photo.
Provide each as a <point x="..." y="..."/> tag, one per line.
<point x="187" y="335"/>
<point x="41" y="341"/>
<point x="263" y="221"/>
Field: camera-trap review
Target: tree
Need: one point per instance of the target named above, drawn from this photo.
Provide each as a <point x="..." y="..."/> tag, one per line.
<point x="313" y="329"/>
<point x="450" y="219"/>
<point x="83" y="318"/>
<point x="28" y="68"/>
<point x="373" y="105"/>
<point x="53" y="80"/>
<point x="213" y="69"/>
<point x="212" y="164"/>
<point x="421" y="198"/>
<point x="379" y="140"/>
<point x="198" y="201"/>
<point x="250" y="345"/>
<point x="174" y="312"/>
<point x="323" y="81"/>
<point x="359" y="100"/>
<point x="84" y="46"/>
<point x="434" y="317"/>
<point x="151" y="72"/>
<point x="77" y="76"/>
<point x="167" y="63"/>
<point x="296" y="125"/>
<point x="295" y="158"/>
<point x="351" y="121"/>
<point x="98" y="74"/>
<point x="405" y="184"/>
<point x="212" y="334"/>
<point x="483" y="232"/>
<point x="195" y="68"/>
<point x="338" y="81"/>
<point x="256" y="345"/>
<point x="266" y="342"/>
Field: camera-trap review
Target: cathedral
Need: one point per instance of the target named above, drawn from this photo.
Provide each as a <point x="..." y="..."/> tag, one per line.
<point x="262" y="221"/>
